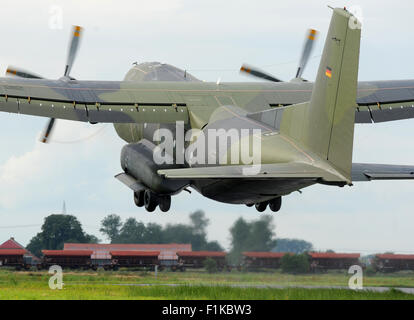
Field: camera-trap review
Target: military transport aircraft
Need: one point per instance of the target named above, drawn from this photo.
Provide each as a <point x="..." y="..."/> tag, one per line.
<point x="305" y="129"/>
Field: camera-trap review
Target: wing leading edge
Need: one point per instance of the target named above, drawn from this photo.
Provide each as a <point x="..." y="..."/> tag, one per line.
<point x="89" y="101"/>
<point x="383" y="101"/>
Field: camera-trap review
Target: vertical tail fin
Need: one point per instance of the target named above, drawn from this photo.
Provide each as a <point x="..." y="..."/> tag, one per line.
<point x="330" y="120"/>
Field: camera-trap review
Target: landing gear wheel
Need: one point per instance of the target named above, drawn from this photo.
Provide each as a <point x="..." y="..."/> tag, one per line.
<point x="139" y="198"/>
<point x="275" y="204"/>
<point x="261" y="207"/>
<point x="250" y="205"/>
<point x="165" y="203"/>
<point x="150" y="200"/>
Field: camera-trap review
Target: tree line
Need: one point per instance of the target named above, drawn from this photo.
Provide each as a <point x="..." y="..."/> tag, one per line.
<point x="133" y="231"/>
<point x="255" y="235"/>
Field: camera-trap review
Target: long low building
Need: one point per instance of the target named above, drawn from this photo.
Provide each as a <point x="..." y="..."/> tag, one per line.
<point x="257" y="260"/>
<point x="67" y="258"/>
<point x="393" y="262"/>
<point x="12" y="258"/>
<point x="195" y="259"/>
<point x="101" y="252"/>
<point x="331" y="260"/>
<point x="130" y="259"/>
<point x="12" y="244"/>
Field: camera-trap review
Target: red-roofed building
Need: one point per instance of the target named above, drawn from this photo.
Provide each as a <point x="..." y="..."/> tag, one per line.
<point x="101" y="252"/>
<point x="195" y="259"/>
<point x="67" y="258"/>
<point x="12" y="252"/>
<point x="134" y="254"/>
<point x="204" y="254"/>
<point x="67" y="253"/>
<point x="12" y="258"/>
<point x="393" y="262"/>
<point x="28" y="257"/>
<point x="11" y="244"/>
<point x="389" y="256"/>
<point x="258" y="260"/>
<point x="128" y="259"/>
<point x="331" y="260"/>
<point x="332" y="255"/>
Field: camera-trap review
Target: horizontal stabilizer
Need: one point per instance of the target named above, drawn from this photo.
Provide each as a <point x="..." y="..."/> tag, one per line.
<point x="265" y="171"/>
<point x="130" y="182"/>
<point x="368" y="172"/>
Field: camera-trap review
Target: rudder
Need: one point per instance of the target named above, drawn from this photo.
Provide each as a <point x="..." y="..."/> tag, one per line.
<point x="330" y="116"/>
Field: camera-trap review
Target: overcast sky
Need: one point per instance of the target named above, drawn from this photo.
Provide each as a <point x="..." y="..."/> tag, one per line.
<point x="211" y="39"/>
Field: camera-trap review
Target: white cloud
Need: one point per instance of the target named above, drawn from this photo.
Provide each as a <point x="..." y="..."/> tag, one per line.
<point x="41" y="171"/>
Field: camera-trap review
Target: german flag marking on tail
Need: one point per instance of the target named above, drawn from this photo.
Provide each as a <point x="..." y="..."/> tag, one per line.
<point x="328" y="72"/>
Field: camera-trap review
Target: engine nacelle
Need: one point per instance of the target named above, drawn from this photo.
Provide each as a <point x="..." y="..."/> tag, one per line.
<point x="137" y="161"/>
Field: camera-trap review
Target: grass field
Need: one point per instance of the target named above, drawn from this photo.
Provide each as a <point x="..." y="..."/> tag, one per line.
<point x="194" y="285"/>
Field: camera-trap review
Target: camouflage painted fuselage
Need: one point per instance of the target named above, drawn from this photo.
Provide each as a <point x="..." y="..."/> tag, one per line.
<point x="302" y="124"/>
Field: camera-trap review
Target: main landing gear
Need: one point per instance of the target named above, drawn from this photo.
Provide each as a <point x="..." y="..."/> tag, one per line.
<point x="151" y="200"/>
<point x="274" y="205"/>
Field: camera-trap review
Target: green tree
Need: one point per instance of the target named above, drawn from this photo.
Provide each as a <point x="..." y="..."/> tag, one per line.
<point x="153" y="233"/>
<point x="35" y="245"/>
<point x="213" y="246"/>
<point x="295" y="263"/>
<point x="90" y="238"/>
<point x="56" y="230"/>
<point x="261" y="234"/>
<point x="199" y="222"/>
<point x="210" y="265"/>
<point x="199" y="241"/>
<point x="239" y="234"/>
<point x="257" y="235"/>
<point x="132" y="231"/>
<point x="110" y="226"/>
<point x="180" y="233"/>
<point x="293" y="246"/>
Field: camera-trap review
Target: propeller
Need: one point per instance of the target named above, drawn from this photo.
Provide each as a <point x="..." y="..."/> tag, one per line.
<point x="73" y="49"/>
<point x="307" y="49"/>
<point x="306" y="52"/>
<point x="47" y="131"/>
<point x="258" y="73"/>
<point x="21" y="73"/>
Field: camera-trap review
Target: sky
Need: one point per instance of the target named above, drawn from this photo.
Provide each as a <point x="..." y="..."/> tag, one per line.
<point x="211" y="39"/>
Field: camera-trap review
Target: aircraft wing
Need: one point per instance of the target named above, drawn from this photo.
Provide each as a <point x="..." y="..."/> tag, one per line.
<point x="90" y="101"/>
<point x="381" y="101"/>
<point x="368" y="172"/>
<point x="266" y="171"/>
<point x="153" y="102"/>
